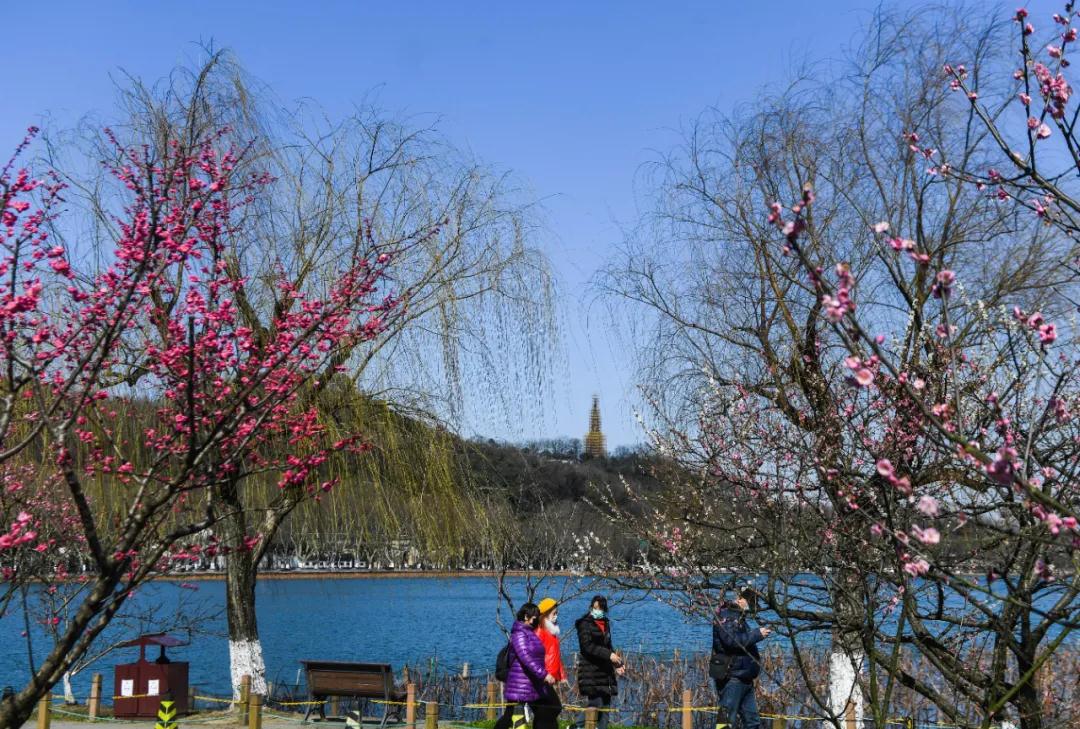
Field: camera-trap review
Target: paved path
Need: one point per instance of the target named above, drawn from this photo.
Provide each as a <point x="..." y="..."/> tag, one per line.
<point x="192" y="722"/>
<point x="213" y="722"/>
<point x="222" y="722"/>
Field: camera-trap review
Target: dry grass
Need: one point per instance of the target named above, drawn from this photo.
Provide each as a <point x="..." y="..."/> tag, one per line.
<point x="654" y="686"/>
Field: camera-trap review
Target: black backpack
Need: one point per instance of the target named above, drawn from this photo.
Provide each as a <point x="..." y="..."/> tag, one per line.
<point x="502" y="664"/>
<point x="720" y="666"/>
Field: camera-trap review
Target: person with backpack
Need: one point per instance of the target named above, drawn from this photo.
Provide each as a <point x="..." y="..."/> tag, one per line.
<point x="502" y="671"/>
<point x="528" y="681"/>
<point x="549" y="707"/>
<point x="599" y="665"/>
<point x="735" y="661"/>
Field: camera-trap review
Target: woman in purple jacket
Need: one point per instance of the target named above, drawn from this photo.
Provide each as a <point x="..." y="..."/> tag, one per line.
<point x="528" y="679"/>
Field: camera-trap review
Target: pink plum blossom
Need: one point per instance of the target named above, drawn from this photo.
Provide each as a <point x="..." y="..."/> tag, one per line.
<point x="928" y="505"/>
<point x="929" y="535"/>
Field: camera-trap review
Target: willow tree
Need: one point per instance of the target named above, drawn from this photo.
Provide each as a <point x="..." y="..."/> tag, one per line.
<point x="407" y="489"/>
<point x="475" y="319"/>
<point x="800" y="478"/>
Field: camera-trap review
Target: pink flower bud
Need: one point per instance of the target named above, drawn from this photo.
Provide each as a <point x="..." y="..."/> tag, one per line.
<point x="1047" y="334"/>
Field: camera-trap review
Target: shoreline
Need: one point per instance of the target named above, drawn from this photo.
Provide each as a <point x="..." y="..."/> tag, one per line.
<point x="391" y="574"/>
<point x="364" y="574"/>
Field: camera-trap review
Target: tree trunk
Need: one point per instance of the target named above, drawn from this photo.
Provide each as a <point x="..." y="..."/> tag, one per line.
<point x="245" y="649"/>
<point x="1027" y="700"/>
<point x="69" y="694"/>
<point x="241" y="572"/>
<point x="845" y="668"/>
<point x="846" y="655"/>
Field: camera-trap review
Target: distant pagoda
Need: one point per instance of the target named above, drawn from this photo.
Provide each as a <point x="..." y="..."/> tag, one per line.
<point x="594" y="439"/>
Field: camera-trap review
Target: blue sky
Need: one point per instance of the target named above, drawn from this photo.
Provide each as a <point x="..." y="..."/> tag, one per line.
<point x="572" y="96"/>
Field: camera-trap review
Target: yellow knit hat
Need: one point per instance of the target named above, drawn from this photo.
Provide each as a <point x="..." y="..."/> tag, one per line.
<point x="547" y="605"/>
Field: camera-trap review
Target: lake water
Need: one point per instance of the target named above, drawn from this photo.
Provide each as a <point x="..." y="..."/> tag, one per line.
<point x="405" y="620"/>
<point x="396" y="620"/>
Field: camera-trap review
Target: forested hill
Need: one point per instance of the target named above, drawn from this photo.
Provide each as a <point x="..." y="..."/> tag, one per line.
<point x="423" y="496"/>
<point x="555" y="497"/>
<point x="535" y="476"/>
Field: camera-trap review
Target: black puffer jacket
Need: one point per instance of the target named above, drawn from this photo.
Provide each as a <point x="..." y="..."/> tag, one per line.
<point x="595" y="672"/>
<point x="733" y="637"/>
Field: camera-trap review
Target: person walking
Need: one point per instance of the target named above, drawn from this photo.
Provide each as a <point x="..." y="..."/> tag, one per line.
<point x="502" y="671"/>
<point x="599" y="666"/>
<point x="506" y="719"/>
<point x="528" y="680"/>
<point x="548" y="707"/>
<point x="735" y="662"/>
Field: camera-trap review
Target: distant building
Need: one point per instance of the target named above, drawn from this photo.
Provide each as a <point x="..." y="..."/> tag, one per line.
<point x="595" y="446"/>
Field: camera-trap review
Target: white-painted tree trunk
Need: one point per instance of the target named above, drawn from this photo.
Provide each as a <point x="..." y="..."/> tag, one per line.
<point x="844" y="670"/>
<point x="246" y="659"/>
<point x="69" y="694"/>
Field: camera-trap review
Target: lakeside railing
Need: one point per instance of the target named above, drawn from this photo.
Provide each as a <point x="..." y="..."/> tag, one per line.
<point x="250" y="710"/>
<point x="671" y="693"/>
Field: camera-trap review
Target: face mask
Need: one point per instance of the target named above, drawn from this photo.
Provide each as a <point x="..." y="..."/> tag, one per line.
<point x="551" y="627"/>
<point x="597" y="613"/>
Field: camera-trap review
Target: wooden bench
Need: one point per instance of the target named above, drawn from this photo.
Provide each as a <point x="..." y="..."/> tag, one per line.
<point x="364" y="681"/>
